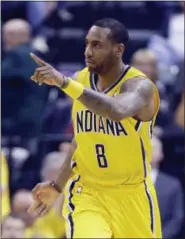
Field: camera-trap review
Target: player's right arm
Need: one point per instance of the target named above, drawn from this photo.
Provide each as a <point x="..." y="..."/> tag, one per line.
<point x="45" y="194"/>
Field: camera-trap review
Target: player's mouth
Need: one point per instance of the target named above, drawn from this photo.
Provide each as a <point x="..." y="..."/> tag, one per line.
<point x="89" y="62"/>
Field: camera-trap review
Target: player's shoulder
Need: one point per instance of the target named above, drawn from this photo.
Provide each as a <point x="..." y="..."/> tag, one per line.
<point x="80" y="75"/>
<point x="135" y="77"/>
<point x="84" y="71"/>
<point x="133" y="72"/>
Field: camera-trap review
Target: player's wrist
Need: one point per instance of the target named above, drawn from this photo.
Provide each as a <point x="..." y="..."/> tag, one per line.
<point x="54" y="185"/>
<point x="64" y="82"/>
<point x="72" y="88"/>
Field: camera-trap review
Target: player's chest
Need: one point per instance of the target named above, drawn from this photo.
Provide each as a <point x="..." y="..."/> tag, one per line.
<point x="86" y="121"/>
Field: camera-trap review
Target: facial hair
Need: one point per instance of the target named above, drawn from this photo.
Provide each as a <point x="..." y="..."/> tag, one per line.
<point x="105" y="66"/>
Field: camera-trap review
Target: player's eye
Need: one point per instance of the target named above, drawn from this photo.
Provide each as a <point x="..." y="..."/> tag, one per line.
<point x="97" y="45"/>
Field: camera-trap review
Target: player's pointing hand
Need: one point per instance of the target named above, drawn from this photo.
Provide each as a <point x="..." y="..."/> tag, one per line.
<point x="45" y="73"/>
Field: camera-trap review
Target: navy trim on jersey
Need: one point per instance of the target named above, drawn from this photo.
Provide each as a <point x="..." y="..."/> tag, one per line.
<point x="151" y="207"/>
<point x="144" y="158"/>
<point x="94" y="79"/>
<point x="151" y="128"/>
<point x="71" y="206"/>
<point x="146" y="188"/>
<point x="73" y="164"/>
<point x="137" y="126"/>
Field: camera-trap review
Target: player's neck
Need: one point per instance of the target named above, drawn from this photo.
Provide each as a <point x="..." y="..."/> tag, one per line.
<point x="107" y="79"/>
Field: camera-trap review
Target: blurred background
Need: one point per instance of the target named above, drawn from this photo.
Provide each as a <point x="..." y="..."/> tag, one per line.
<point x="36" y="121"/>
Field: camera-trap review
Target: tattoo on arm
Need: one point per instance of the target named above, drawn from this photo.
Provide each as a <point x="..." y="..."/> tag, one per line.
<point x="136" y="93"/>
<point x="66" y="170"/>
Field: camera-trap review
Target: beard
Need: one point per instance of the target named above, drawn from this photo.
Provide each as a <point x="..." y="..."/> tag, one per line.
<point x="96" y="69"/>
<point x="103" y="67"/>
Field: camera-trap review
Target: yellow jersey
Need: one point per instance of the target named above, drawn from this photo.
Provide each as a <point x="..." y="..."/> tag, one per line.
<point x="4" y="187"/>
<point x="111" y="153"/>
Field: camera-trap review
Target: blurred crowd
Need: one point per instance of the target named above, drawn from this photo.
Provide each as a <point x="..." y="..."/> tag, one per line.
<point x="36" y="121"/>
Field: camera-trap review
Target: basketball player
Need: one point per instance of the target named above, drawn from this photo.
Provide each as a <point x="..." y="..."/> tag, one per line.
<point x="109" y="193"/>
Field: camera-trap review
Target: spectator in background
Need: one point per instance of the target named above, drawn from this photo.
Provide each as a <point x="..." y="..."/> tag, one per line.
<point x="57" y="117"/>
<point x="21" y="201"/>
<point x="169" y="193"/>
<point x="179" y="115"/>
<point x="53" y="222"/>
<point x="176" y="31"/>
<point x="146" y="61"/>
<point x="51" y="164"/>
<point x="179" y="86"/>
<point x="169" y="47"/>
<point x="13" y="226"/>
<point x="22" y="101"/>
<point x="5" y="199"/>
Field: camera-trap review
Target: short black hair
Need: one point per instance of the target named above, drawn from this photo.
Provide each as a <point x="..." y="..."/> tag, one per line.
<point x="118" y="31"/>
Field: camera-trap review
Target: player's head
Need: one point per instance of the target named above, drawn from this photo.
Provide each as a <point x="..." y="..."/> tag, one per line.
<point x="15" y="33"/>
<point x="105" y="43"/>
<point x="51" y="164"/>
<point x="146" y="61"/>
<point x="21" y="201"/>
<point x="13" y="226"/>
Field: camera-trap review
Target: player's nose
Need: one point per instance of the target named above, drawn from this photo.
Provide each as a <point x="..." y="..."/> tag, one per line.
<point x="88" y="52"/>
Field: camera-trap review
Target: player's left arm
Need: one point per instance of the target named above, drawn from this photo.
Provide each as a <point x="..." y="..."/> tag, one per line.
<point x="135" y="99"/>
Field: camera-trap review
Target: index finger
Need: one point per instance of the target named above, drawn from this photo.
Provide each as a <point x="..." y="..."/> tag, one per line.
<point x="35" y="191"/>
<point x="38" y="60"/>
<point x="34" y="206"/>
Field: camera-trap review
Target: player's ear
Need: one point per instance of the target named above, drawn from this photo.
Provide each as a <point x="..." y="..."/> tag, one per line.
<point x="120" y="49"/>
